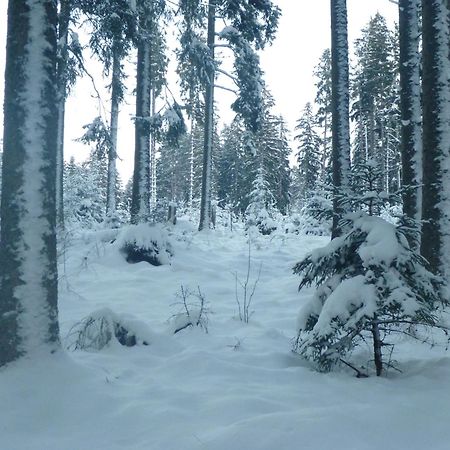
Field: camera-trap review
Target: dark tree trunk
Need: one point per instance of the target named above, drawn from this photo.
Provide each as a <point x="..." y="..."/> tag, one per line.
<point x="340" y="108"/>
<point x="28" y="270"/>
<point x="436" y="126"/>
<point x="410" y="107"/>
<point x="140" y="201"/>
<point x="377" y="344"/>
<point x="205" y="203"/>
<point x="61" y="95"/>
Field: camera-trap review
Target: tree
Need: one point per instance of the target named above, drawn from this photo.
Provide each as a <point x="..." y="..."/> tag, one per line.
<point x="150" y="45"/>
<point x="410" y="106"/>
<point x="28" y="266"/>
<point x="369" y="284"/>
<point x="113" y="30"/>
<point x="309" y="159"/>
<point x="322" y="73"/>
<point x="249" y="25"/>
<point x="340" y="107"/>
<point x="375" y="95"/>
<point x="436" y="123"/>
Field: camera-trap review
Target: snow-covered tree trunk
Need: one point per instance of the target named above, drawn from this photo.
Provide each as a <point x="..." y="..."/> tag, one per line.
<point x="436" y="135"/>
<point x="191" y="165"/>
<point x="410" y="107"/>
<point x="340" y="107"/>
<point x="140" y="201"/>
<point x="61" y="94"/>
<point x="205" y="203"/>
<point x="153" y="180"/>
<point x="28" y="270"/>
<point x="112" y="149"/>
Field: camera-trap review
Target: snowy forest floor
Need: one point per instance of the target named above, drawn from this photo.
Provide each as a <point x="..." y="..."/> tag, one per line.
<point x="238" y="386"/>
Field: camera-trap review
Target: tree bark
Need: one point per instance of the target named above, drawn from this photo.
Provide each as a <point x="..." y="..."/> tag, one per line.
<point x="61" y="95"/>
<point x="28" y="270"/>
<point x="410" y="109"/>
<point x="377" y="344"/>
<point x="205" y="203"/>
<point x="436" y="139"/>
<point x="340" y="108"/>
<point x="140" y="201"/>
<point x="112" y="153"/>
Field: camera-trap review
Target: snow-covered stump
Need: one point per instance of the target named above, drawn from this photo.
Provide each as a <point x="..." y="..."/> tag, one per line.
<point x="369" y="284"/>
<point x="145" y="242"/>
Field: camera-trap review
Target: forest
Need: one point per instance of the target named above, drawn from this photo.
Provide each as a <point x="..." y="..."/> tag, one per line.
<point x="253" y="284"/>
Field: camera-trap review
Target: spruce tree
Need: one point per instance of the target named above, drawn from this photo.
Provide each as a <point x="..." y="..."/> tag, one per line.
<point x="322" y="73"/>
<point x="309" y="158"/>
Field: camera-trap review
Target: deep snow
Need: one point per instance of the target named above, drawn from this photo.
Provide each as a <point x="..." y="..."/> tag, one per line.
<point x="236" y="387"/>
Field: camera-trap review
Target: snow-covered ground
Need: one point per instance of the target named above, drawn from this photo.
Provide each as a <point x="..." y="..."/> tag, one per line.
<point x="235" y="387"/>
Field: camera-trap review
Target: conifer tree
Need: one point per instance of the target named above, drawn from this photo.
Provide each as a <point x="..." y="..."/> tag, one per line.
<point x="375" y="96"/>
<point x="322" y="73"/>
<point x="308" y="157"/>
<point x="249" y="25"/>
<point x="28" y="265"/>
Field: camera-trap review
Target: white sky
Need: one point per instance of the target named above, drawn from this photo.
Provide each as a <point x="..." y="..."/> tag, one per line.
<point x="304" y="33"/>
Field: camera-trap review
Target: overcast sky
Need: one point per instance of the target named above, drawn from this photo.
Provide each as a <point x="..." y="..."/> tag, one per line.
<point x="304" y="32"/>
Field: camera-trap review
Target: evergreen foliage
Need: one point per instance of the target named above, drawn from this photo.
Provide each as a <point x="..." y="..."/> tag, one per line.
<point x="369" y="284"/>
<point x="309" y="157"/>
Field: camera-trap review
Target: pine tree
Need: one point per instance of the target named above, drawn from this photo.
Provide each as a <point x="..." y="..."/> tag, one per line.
<point x="436" y="125"/>
<point x="309" y="160"/>
<point x="28" y="265"/>
<point x="375" y="95"/>
<point x="339" y="107"/>
<point x="322" y="73"/>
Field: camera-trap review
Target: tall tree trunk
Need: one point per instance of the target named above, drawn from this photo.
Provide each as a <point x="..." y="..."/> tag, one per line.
<point x="112" y="153"/>
<point x="436" y="138"/>
<point x="410" y="109"/>
<point x="340" y="108"/>
<point x="191" y="165"/>
<point x="205" y="203"/>
<point x="153" y="189"/>
<point x="61" y="95"/>
<point x="140" y="200"/>
<point x="28" y="270"/>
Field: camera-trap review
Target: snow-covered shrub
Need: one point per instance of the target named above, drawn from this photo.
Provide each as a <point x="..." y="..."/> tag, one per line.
<point x="98" y="329"/>
<point x="192" y="314"/>
<point x="145" y="242"/>
<point x="369" y="284"/>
